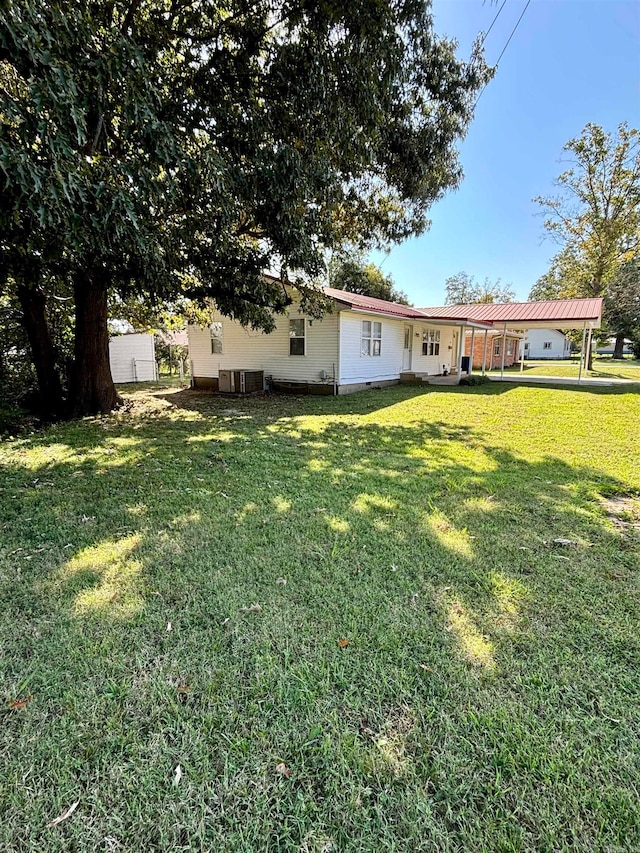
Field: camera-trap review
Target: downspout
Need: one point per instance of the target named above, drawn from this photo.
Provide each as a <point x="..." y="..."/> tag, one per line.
<point x="484" y="354"/>
<point x="504" y="349"/>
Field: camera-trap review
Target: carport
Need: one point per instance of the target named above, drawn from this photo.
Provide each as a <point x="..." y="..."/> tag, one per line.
<point x="565" y="314"/>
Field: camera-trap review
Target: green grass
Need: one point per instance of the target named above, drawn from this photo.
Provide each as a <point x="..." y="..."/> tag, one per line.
<point x="604" y="367"/>
<point x="488" y="695"/>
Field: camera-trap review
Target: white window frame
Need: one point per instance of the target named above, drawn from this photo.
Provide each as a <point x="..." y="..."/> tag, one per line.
<point x="217" y="347"/>
<point x="496" y="347"/>
<point x="295" y="337"/>
<point x="431" y="342"/>
<point x="371" y="338"/>
<point x="510" y="347"/>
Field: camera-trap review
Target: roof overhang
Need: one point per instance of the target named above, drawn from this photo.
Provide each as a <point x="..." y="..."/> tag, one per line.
<point x="559" y="325"/>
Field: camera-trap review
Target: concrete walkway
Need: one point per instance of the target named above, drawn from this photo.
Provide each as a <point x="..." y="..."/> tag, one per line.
<point x="559" y="380"/>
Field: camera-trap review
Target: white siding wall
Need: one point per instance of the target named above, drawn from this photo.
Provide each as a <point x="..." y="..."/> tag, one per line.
<point x="355" y="367"/>
<point x="132" y="358"/>
<point x="560" y="347"/>
<point x="244" y="349"/>
<point x="432" y="364"/>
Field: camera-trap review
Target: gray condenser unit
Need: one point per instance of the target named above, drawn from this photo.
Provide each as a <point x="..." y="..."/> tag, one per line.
<point x="241" y="381"/>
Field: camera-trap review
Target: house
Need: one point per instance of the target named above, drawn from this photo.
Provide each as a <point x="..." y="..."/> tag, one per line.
<point x="362" y="343"/>
<point x="547" y="343"/>
<point x="365" y="343"/>
<point x="132" y="358"/>
<point x="609" y="347"/>
<point x="493" y="358"/>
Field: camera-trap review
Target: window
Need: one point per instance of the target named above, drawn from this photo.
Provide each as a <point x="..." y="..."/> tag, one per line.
<point x="546" y="345"/>
<point x="496" y="348"/>
<point x="296" y="337"/>
<point x="431" y="342"/>
<point x="371" y="338"/>
<point x="216" y="338"/>
<point x="509" y="347"/>
<point x="526" y="346"/>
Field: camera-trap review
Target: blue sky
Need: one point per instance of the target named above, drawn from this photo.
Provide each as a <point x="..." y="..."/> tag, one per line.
<point x="569" y="63"/>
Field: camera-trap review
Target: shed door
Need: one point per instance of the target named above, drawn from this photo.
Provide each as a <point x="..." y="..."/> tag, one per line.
<point x="408" y="343"/>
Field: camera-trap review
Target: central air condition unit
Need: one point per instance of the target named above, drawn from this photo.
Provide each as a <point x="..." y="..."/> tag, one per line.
<point x="240" y="381"/>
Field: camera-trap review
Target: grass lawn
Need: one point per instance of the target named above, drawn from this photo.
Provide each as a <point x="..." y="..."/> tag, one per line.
<point x="604" y="367"/>
<point x="324" y="624"/>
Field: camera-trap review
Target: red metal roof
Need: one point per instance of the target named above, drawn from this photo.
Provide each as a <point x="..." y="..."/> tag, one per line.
<point x="381" y="306"/>
<point x="552" y="311"/>
<point x="369" y="303"/>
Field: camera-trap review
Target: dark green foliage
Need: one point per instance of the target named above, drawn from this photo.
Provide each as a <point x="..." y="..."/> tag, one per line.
<point x="182" y="148"/>
<point x="474" y="379"/>
<point x="349" y="271"/>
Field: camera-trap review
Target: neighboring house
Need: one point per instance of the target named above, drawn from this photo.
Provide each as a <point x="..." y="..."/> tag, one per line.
<point x="547" y="343"/>
<point x="362" y="343"/>
<point x="365" y="342"/>
<point x="608" y="348"/>
<point x="493" y="357"/>
<point x="132" y="358"/>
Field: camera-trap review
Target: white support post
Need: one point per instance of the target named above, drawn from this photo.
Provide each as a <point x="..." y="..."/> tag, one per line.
<point x="504" y="349"/>
<point x="522" y="345"/>
<point x="584" y="334"/>
<point x="484" y="354"/>
<point x="460" y="351"/>
<point x="473" y="341"/>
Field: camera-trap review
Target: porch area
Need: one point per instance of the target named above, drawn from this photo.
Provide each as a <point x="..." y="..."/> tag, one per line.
<point x="409" y="377"/>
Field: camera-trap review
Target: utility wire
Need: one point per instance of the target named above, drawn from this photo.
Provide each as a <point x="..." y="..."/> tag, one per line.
<point x="513" y="32"/>
<point x="484" y="37"/>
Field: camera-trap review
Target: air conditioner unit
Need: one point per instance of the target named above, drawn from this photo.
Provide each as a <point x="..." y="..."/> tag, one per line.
<point x="240" y="381"/>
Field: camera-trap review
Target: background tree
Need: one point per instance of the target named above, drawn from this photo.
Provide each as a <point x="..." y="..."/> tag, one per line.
<point x="349" y="271"/>
<point x="463" y="289"/>
<point x="595" y="216"/>
<point x="622" y="305"/>
<point x="179" y="149"/>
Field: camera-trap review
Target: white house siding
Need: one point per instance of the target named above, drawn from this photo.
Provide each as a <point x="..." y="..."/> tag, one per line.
<point x="132" y="358"/>
<point x="244" y="349"/>
<point x="432" y="364"/>
<point x="560" y="345"/>
<point x="358" y="369"/>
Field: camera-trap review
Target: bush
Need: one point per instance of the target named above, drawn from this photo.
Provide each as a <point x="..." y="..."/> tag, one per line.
<point x="474" y="379"/>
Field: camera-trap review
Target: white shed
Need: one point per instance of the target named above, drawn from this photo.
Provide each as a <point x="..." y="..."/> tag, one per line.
<point x="133" y="358"/>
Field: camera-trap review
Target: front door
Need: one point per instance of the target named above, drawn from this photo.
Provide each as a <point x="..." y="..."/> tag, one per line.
<point x="408" y="343"/>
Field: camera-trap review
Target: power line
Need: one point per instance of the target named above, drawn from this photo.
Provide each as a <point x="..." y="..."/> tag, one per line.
<point x="513" y="31"/>
<point x="484" y="37"/>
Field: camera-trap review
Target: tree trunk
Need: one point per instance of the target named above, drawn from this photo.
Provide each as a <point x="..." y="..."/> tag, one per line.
<point x="92" y="388"/>
<point x="618" y="350"/>
<point x="34" y="319"/>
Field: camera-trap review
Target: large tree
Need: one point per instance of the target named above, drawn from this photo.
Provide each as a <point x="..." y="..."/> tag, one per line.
<point x="595" y="217"/>
<point x="463" y="289"/>
<point x="350" y="271"/>
<point x="622" y="305"/>
<point x="179" y="148"/>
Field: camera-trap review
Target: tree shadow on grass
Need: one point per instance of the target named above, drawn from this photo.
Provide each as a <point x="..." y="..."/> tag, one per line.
<point x="378" y="605"/>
